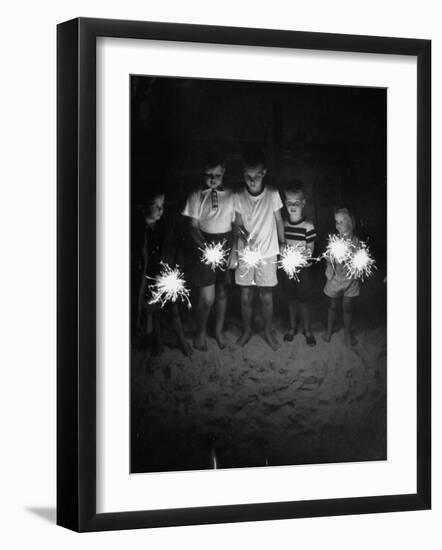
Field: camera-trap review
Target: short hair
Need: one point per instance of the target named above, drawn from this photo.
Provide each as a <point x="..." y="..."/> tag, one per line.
<point x="346" y="210"/>
<point x="253" y="156"/>
<point x="213" y="158"/>
<point x="153" y="192"/>
<point x="294" y="186"/>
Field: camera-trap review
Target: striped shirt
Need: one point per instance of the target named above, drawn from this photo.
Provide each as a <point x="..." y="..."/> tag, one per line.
<point x="302" y="232"/>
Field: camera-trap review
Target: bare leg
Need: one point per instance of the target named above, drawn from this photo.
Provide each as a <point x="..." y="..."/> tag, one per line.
<point x="347" y="306"/>
<point x="178" y="328"/>
<point x="157" y="347"/>
<point x="332" y="314"/>
<point x="266" y="296"/>
<point x="220" y="314"/>
<point x="246" y="312"/>
<point x="205" y="302"/>
<point x="288" y="337"/>
<point x="305" y="315"/>
<point x="149" y="323"/>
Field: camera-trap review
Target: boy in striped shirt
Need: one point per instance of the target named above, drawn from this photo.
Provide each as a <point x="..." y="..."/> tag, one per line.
<point x="298" y="229"/>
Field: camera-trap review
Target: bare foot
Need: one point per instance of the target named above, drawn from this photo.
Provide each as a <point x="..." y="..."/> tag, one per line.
<point x="219" y="337"/>
<point x="350" y="340"/>
<point x="309" y="338"/>
<point x="244" y="338"/>
<point x="271" y="341"/>
<point x="200" y="342"/>
<point x="326" y="337"/>
<point x="288" y="336"/>
<point x="185" y="348"/>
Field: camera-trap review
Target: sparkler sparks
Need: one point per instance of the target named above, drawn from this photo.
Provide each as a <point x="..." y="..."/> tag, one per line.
<point x="214" y="255"/>
<point x="251" y="257"/>
<point x="338" y="249"/>
<point x="360" y="264"/>
<point x="293" y="259"/>
<point x="169" y="286"/>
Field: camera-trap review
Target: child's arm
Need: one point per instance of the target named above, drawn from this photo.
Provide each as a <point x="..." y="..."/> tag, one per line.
<point x="280" y="229"/>
<point x="239" y="232"/>
<point x="195" y="232"/>
<point x="329" y="268"/>
<point x="239" y="229"/>
<point x="310" y="240"/>
<point x="310" y="247"/>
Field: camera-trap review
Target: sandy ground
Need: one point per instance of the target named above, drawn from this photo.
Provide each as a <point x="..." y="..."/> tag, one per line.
<point x="254" y="407"/>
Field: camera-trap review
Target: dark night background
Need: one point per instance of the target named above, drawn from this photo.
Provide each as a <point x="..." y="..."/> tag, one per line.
<point x="331" y="138"/>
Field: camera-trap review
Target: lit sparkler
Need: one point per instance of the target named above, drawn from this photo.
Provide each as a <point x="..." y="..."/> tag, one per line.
<point x="214" y="255"/>
<point x="361" y="263"/>
<point x="338" y="249"/>
<point x="250" y="256"/>
<point x="169" y="286"/>
<point x="293" y="259"/>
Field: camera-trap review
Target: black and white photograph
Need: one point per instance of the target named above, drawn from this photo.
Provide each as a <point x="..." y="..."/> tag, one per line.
<point x="258" y="274"/>
<point x="219" y="317"/>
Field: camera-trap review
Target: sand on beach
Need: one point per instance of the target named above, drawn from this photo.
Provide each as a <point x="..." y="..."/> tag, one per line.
<point x="252" y="406"/>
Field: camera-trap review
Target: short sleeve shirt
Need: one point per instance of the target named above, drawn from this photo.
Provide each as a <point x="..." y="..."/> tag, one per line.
<point x="258" y="216"/>
<point x="214" y="209"/>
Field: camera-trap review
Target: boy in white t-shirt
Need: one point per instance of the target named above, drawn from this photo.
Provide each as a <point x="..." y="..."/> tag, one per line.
<point x="260" y="227"/>
<point x="210" y="210"/>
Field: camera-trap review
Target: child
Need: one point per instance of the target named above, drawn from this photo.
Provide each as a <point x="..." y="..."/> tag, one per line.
<point x="259" y="225"/>
<point x="299" y="230"/>
<point x="210" y="210"/>
<point x="158" y="246"/>
<point x="339" y="286"/>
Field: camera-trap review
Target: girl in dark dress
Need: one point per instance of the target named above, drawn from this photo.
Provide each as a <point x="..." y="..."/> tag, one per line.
<point x="158" y="245"/>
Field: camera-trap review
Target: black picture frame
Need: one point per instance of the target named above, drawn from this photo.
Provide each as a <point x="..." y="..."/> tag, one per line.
<point x="76" y="273"/>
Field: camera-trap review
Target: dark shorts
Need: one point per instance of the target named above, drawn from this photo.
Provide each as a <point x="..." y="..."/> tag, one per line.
<point x="201" y="274"/>
<point x="300" y="291"/>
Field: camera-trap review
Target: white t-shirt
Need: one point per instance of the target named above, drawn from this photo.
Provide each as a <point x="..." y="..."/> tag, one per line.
<point x="213" y="216"/>
<point x="258" y="216"/>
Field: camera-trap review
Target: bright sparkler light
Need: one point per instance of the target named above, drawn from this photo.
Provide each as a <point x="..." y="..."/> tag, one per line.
<point x="361" y="263"/>
<point x="251" y="257"/>
<point x="214" y="255"/>
<point x="169" y="286"/>
<point x="338" y="249"/>
<point x="293" y="259"/>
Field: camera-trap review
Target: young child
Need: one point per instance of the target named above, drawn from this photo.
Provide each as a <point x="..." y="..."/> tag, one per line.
<point x="259" y="226"/>
<point x="210" y="210"/>
<point x="298" y="230"/>
<point x="158" y="246"/>
<point x="341" y="288"/>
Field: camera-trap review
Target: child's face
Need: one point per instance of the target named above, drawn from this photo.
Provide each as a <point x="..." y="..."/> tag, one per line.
<point x="155" y="209"/>
<point x="213" y="176"/>
<point x="343" y="223"/>
<point x="295" y="204"/>
<point x="253" y="177"/>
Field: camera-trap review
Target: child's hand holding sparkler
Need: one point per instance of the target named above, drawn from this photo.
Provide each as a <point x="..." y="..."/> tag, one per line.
<point x="339" y="249"/>
<point x="215" y="255"/>
<point x="360" y="264"/>
<point x="250" y="256"/>
<point x="232" y="262"/>
<point x="357" y="259"/>
<point x="169" y="286"/>
<point x="294" y="257"/>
